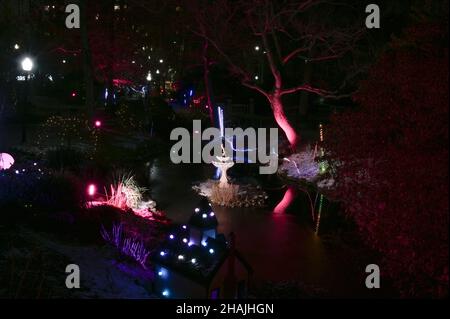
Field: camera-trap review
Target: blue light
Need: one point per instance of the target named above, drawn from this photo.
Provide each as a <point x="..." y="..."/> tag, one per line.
<point x="191" y="92"/>
<point x="162" y="253"/>
<point x="171" y="236"/>
<point x="211" y="251"/>
<point x="165" y="293"/>
<point x="204" y="244"/>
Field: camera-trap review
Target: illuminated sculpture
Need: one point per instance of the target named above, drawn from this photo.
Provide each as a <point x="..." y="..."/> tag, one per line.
<point x="6" y="161"/>
<point x="223" y="163"/>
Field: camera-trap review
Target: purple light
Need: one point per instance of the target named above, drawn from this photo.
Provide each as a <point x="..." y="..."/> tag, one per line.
<point x="171" y="236"/>
<point x="162" y="253"/>
<point x="211" y="214"/>
<point x="184" y="226"/>
<point x="185" y="240"/>
<point x="204" y="244"/>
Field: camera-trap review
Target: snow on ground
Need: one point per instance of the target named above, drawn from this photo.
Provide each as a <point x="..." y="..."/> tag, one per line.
<point x="101" y="276"/>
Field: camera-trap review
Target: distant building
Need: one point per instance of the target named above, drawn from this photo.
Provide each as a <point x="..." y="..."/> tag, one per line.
<point x="196" y="262"/>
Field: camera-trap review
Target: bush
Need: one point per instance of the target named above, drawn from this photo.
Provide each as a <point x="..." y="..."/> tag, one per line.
<point x="392" y="161"/>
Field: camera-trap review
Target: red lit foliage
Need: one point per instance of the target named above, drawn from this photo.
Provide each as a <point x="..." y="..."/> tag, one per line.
<point x="394" y="151"/>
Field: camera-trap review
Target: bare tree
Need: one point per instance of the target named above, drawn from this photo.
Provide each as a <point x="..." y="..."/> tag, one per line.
<point x="287" y="33"/>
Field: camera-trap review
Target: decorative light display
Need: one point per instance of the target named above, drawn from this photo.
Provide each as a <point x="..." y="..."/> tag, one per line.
<point x="6" y="161"/>
<point x="16" y="46"/>
<point x="98" y="123"/>
<point x="92" y="190"/>
<point x="171" y="236"/>
<point x="204" y="215"/>
<point x="180" y="257"/>
<point x="185" y="240"/>
<point x="162" y="253"/>
<point x="193" y="260"/>
<point x="165" y="293"/>
<point x="318" y="214"/>
<point x="211" y="251"/>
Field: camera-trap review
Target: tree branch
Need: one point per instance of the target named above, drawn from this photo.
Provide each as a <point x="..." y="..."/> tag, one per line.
<point x="321" y="92"/>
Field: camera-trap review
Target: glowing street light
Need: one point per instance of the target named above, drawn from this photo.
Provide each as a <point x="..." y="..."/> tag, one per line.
<point x="161" y="60"/>
<point x="16" y="46"/>
<point x="149" y="77"/>
<point x="27" y="64"/>
<point x="257" y="48"/>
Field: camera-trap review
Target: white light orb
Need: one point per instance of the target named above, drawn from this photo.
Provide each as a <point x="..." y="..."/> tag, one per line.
<point x="27" y="64"/>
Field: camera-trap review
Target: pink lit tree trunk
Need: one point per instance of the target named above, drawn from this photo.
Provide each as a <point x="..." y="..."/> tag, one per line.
<point x="283" y="122"/>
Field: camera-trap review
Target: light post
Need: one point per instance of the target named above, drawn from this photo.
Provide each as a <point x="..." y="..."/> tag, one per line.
<point x="27" y="65"/>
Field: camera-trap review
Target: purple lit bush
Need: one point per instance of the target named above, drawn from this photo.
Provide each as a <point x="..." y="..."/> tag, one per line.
<point x="129" y="246"/>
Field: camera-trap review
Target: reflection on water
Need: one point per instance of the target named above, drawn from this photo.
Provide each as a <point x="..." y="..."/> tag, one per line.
<point x="287" y="200"/>
<point x="281" y="242"/>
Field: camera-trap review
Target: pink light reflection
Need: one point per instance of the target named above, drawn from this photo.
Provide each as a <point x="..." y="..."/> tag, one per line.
<point x="287" y="200"/>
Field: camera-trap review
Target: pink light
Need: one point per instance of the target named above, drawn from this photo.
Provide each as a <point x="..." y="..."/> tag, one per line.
<point x="74" y="94"/>
<point x="98" y="123"/>
<point x="288" y="197"/>
<point x="6" y="161"/>
<point x="92" y="189"/>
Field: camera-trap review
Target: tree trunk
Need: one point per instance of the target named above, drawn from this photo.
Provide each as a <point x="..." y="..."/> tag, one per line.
<point x="282" y="121"/>
<point x="87" y="61"/>
<point x="207" y="80"/>
<point x="304" y="103"/>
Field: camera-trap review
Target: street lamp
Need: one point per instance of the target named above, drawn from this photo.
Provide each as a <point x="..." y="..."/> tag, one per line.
<point x="27" y="66"/>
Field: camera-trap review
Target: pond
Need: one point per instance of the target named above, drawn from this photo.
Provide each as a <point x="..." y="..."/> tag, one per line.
<point x="281" y="244"/>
